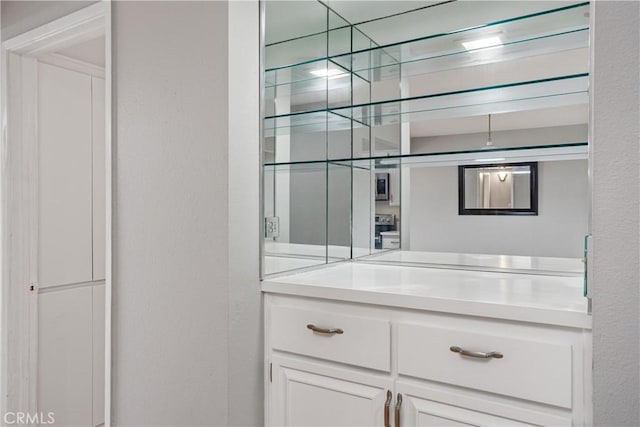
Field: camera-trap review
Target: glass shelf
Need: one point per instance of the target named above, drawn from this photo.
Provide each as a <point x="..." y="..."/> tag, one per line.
<point x="510" y="97"/>
<point x="555" y="30"/>
<point x="542" y="152"/>
<point x="307" y="122"/>
<point x="519" y="96"/>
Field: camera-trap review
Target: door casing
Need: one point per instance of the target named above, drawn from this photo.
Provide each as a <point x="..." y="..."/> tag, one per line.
<point x="19" y="199"/>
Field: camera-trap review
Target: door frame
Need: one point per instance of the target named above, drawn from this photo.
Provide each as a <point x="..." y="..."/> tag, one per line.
<point x="19" y="199"/>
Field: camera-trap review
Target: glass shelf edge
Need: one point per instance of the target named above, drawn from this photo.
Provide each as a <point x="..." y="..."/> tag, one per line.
<point x="409" y="61"/>
<point x="423" y="155"/>
<point x="432" y="36"/>
<point x="434" y="95"/>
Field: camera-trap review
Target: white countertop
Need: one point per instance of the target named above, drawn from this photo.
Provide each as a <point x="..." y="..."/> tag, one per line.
<point x="555" y="300"/>
<point x="484" y="262"/>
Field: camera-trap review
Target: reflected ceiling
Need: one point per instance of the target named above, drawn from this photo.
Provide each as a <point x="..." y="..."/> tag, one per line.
<point x="290" y="19"/>
<point x="356" y="11"/>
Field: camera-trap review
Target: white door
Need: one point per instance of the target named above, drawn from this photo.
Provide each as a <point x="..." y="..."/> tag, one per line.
<point x="310" y="394"/>
<point x="71" y="240"/>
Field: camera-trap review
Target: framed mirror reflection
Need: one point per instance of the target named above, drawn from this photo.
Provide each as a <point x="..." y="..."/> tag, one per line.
<point x="498" y="189"/>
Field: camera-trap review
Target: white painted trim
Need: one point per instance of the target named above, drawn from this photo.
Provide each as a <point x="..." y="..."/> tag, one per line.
<point x="109" y="193"/>
<point x="18" y="302"/>
<point x="4" y="242"/>
<point x="29" y="172"/>
<point x="72" y="64"/>
<point x="85" y="24"/>
<point x="18" y="162"/>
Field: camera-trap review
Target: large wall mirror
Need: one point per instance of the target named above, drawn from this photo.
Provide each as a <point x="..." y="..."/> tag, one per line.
<point x="371" y="108"/>
<point x="498" y="189"/>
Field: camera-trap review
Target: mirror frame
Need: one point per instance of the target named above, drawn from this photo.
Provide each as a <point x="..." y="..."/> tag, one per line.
<point x="533" y="194"/>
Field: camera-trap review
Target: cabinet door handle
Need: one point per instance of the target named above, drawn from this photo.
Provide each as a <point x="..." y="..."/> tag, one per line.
<point x="330" y="331"/>
<point x="387" y="404"/>
<point x="476" y="354"/>
<point x="397" y="411"/>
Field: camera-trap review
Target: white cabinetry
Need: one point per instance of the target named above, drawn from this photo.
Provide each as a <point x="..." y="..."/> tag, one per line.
<point x="390" y="239"/>
<point x="64" y="177"/>
<point x="71" y="177"/>
<point x="339" y="374"/>
<point x="65" y="356"/>
<point x="421" y="409"/>
<point x="99" y="162"/>
<point x="307" y="393"/>
<point x="71" y="245"/>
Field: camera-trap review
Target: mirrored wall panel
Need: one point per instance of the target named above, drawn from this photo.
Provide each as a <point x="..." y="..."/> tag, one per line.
<point x="448" y="134"/>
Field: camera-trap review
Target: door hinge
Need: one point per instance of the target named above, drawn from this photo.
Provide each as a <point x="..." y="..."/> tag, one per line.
<point x="270" y="372"/>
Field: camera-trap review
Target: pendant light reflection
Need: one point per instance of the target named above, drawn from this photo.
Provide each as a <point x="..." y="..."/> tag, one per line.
<point x="489" y="140"/>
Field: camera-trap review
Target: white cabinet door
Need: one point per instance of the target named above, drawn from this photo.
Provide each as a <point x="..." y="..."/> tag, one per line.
<point x="309" y="394"/>
<point x="425" y="407"/>
<point x="99" y="173"/>
<point x="65" y="356"/>
<point x="64" y="176"/>
<point x="98" y="354"/>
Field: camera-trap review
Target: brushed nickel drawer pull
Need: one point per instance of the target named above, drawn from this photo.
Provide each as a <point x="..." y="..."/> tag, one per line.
<point x="331" y="331"/>
<point x="476" y="354"/>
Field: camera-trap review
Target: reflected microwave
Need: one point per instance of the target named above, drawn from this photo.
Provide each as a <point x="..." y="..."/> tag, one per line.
<point x="382" y="186"/>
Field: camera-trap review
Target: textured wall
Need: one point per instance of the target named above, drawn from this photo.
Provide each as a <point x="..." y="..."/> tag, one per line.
<point x="171" y="238"/>
<point x="615" y="213"/>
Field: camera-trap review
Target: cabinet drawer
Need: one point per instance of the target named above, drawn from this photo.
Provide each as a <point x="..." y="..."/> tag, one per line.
<point x="364" y="342"/>
<point x="530" y="369"/>
<point x="390" y="242"/>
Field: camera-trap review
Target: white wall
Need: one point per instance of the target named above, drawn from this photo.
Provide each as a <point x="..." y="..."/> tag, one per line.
<point x="557" y="230"/>
<point x="246" y="375"/>
<point x="187" y="318"/>
<point x="616" y="212"/>
<point x="171" y="236"/>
